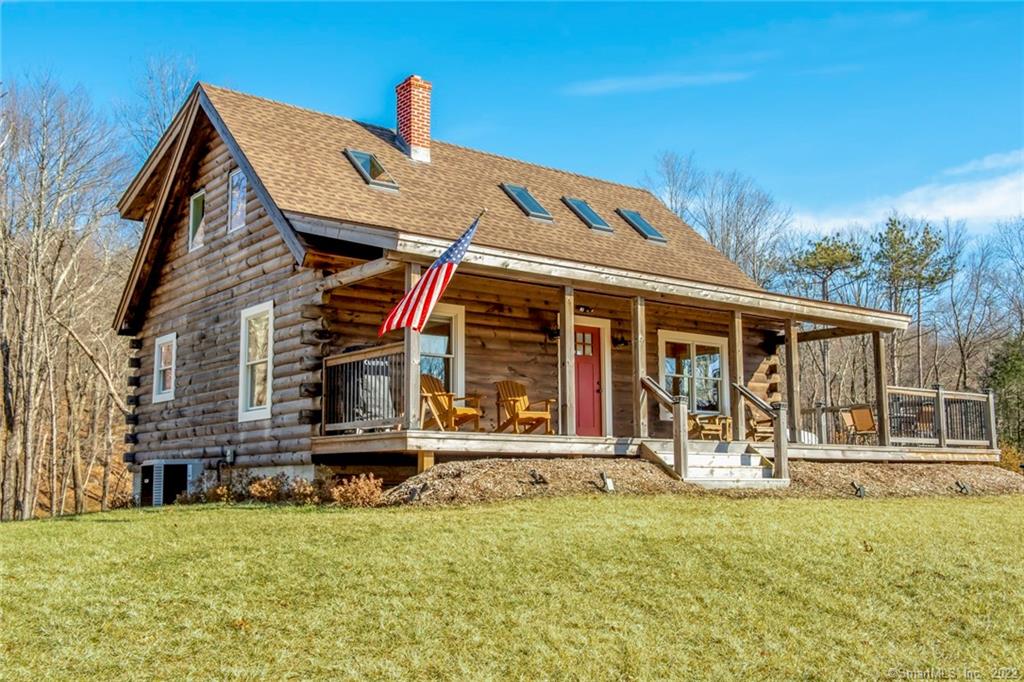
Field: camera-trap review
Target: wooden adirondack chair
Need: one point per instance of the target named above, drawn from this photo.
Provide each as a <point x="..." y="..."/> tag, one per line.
<point x="709" y="427"/>
<point x="759" y="428"/>
<point x="516" y="410"/>
<point x="444" y="413"/>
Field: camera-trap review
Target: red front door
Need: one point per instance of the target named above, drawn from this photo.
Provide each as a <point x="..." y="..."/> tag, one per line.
<point x="588" y="381"/>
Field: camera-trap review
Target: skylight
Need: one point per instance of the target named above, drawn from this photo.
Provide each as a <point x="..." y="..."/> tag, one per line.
<point x="587" y="214"/>
<point x="371" y="169"/>
<point x="638" y="223"/>
<point x="525" y="201"/>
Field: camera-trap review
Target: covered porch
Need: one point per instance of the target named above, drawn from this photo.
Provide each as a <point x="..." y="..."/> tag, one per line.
<point x="593" y="355"/>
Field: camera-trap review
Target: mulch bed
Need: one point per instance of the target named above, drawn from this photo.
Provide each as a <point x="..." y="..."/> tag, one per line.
<point x="492" y="480"/>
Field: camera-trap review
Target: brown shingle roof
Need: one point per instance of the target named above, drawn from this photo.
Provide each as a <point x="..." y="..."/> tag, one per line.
<point x="297" y="154"/>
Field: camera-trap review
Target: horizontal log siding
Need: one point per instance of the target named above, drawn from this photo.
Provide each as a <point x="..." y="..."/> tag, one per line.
<point x="200" y="296"/>
<point x="506" y="336"/>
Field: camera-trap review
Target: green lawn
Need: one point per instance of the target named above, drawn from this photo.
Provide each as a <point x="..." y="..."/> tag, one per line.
<point x="572" y="588"/>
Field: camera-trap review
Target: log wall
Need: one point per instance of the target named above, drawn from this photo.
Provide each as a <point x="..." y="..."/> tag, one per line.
<point x="200" y="295"/>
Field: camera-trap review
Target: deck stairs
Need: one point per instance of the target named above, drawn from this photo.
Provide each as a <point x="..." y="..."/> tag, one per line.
<point x="711" y="464"/>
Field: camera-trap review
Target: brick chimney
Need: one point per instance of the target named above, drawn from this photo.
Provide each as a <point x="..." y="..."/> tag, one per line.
<point x="413" y="104"/>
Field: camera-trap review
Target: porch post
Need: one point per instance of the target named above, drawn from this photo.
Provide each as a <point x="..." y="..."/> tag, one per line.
<point x="736" y="374"/>
<point x="567" y="361"/>
<point x="411" y="349"/>
<point x="990" y="420"/>
<point x="639" y="345"/>
<point x="881" y="387"/>
<point x="940" y="415"/>
<point x="793" y="379"/>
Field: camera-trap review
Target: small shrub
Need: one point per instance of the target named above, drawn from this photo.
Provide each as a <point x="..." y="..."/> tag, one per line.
<point x="358" y="491"/>
<point x="302" y="491"/>
<point x="122" y="499"/>
<point x="1011" y="458"/>
<point x="269" y="488"/>
<point x="218" y="493"/>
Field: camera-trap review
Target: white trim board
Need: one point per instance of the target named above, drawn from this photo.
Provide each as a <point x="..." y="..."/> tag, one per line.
<point x="255" y="414"/>
<point x="164" y="396"/>
<point x="720" y="342"/>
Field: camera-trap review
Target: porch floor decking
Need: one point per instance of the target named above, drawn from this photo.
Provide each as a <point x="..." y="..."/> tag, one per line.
<point x="540" y="445"/>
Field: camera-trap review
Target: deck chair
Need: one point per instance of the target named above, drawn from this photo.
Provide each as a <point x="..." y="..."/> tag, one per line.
<point x="760" y="429"/>
<point x="516" y="410"/>
<point x="708" y="426"/>
<point x="444" y="413"/>
<point x="863" y="421"/>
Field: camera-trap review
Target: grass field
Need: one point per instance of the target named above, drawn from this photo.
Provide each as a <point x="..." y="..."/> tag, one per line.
<point x="571" y="588"/>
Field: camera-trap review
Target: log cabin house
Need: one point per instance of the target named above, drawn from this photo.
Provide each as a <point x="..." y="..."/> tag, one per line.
<point x="277" y="238"/>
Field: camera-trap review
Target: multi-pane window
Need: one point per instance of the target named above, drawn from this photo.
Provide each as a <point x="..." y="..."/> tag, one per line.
<point x="166" y="349"/>
<point x="441" y="346"/>
<point x="236" y="200"/>
<point x="256" y="362"/>
<point x="584" y="343"/>
<point x="692" y="367"/>
<point x="196" y="219"/>
<point x="437" y="352"/>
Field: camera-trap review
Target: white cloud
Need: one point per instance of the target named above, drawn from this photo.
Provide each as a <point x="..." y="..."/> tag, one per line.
<point x="990" y="162"/>
<point x="651" y="83"/>
<point x="980" y="203"/>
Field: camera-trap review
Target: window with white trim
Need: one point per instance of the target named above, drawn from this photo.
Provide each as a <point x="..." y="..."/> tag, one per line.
<point x="256" y="362"/>
<point x="165" y="355"/>
<point x="442" y="346"/>
<point x="196" y="219"/>
<point x="236" y="200"/>
<point x="693" y="366"/>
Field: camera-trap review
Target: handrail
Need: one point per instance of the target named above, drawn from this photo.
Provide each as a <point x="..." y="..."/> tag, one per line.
<point x="362" y="354"/>
<point x="680" y="422"/>
<point x="658" y="392"/>
<point x="777" y="413"/>
<point x="756" y="400"/>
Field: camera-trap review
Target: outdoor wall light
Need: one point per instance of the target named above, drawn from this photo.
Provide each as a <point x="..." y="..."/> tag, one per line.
<point x="620" y="342"/>
<point x="553" y="333"/>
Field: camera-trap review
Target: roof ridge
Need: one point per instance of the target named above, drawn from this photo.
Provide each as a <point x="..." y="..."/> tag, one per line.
<point x="436" y="141"/>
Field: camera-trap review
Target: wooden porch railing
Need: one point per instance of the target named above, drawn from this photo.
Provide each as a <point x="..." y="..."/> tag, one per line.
<point x="364" y="389"/>
<point x="680" y="429"/>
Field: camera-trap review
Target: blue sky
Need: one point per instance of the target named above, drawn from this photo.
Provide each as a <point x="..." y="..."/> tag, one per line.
<point x="842" y="111"/>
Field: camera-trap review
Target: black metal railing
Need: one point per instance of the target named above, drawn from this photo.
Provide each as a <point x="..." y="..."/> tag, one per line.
<point x="364" y="389"/>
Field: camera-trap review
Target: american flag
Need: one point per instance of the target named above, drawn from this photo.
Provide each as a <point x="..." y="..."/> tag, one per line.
<point x="415" y="307"/>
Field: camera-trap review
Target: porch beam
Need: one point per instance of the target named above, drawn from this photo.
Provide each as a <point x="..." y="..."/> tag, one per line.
<point x="793" y="378"/>
<point x="411" y="349"/>
<point x="567" y="361"/>
<point x="737" y="374"/>
<point x="826" y="333"/>
<point x="356" y="274"/>
<point x="639" y="346"/>
<point x="881" y="387"/>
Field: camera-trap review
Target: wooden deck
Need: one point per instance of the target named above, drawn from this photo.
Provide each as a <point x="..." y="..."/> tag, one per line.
<point x="462" y="443"/>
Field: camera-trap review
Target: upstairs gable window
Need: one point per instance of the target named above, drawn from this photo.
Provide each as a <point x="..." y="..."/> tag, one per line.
<point x="526" y="201"/>
<point x="640" y="224"/>
<point x="587" y="214"/>
<point x="196" y="219"/>
<point x="371" y="169"/>
<point x="236" y="200"/>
